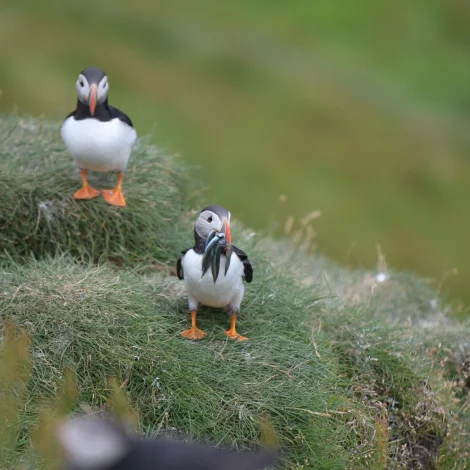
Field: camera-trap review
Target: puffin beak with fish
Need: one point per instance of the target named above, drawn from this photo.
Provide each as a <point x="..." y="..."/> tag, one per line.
<point x="98" y="136"/>
<point x="223" y="287"/>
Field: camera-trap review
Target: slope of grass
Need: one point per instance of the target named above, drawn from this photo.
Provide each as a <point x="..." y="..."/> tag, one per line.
<point x="105" y="323"/>
<point x="38" y="214"/>
<point x="400" y="341"/>
<point x="351" y="372"/>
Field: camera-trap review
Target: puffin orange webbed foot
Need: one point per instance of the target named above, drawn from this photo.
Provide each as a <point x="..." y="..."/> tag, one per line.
<point x="114" y="197"/>
<point x="232" y="333"/>
<point x="193" y="333"/>
<point x="86" y="192"/>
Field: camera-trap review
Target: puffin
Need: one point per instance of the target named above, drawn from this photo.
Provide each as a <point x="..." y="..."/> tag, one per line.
<point x="98" y="136"/>
<point x="90" y="442"/>
<point x="213" y="251"/>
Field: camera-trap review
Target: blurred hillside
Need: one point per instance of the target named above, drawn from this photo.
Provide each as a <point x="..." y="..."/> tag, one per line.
<point x="360" y="112"/>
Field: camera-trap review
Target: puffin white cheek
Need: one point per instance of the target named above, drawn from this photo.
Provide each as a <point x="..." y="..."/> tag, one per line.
<point x="102" y="94"/>
<point x="83" y="92"/>
<point x="103" y="90"/>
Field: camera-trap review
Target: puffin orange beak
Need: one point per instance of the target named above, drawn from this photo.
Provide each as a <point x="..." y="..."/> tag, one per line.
<point x="92" y="98"/>
<point x="226" y="231"/>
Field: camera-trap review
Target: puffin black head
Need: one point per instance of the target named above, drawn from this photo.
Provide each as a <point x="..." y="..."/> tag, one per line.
<point x="214" y="218"/>
<point x="92" y="87"/>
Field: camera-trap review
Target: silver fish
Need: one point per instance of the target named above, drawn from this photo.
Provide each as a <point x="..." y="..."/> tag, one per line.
<point x="207" y="257"/>
<point x="214" y="241"/>
<point x="216" y="261"/>
<point x="229" y="258"/>
<point x="210" y="237"/>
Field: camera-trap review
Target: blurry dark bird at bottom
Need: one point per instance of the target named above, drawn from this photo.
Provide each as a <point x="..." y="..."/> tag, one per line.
<point x="92" y="443"/>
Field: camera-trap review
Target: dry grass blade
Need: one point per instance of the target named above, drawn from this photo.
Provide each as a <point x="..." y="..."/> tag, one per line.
<point x="15" y="370"/>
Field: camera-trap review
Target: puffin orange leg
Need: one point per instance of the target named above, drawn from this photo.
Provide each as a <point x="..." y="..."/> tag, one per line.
<point x="86" y="192"/>
<point x="194" y="332"/>
<point x="232" y="333"/>
<point x="115" y="196"/>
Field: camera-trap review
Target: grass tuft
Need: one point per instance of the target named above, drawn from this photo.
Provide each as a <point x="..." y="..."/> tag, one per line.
<point x="39" y="216"/>
<point x="105" y="323"/>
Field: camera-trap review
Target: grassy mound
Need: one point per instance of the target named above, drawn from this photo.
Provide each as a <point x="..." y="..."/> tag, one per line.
<point x="341" y="389"/>
<point x="352" y="372"/>
<point x="407" y="354"/>
<point x="106" y="323"/>
<point x="38" y="214"/>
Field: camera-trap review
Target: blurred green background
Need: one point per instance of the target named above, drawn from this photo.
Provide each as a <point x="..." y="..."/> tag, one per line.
<point x="357" y="109"/>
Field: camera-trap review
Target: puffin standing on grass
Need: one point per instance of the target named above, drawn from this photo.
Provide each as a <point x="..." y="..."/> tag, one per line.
<point x="99" y="136"/>
<point x="214" y="270"/>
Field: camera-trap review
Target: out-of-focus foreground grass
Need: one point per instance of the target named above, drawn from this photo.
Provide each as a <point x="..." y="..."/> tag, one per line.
<point x="357" y="110"/>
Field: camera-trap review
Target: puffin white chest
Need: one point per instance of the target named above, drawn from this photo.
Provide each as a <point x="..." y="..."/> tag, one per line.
<point x="228" y="289"/>
<point x="97" y="145"/>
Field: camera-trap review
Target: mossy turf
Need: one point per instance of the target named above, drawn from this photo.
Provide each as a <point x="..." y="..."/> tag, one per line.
<point x="105" y="323"/>
<point x="38" y="214"/>
<point x="351" y="372"/>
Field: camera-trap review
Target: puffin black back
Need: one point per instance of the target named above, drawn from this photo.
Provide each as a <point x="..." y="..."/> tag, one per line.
<point x="167" y="454"/>
<point x="92" y="443"/>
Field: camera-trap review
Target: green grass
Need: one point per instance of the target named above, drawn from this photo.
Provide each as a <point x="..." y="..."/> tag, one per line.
<point x="115" y="325"/>
<point x="358" y="111"/>
<point x="350" y="372"/>
<point x="39" y="215"/>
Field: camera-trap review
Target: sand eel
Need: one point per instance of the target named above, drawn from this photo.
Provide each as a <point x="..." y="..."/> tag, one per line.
<point x="214" y="270"/>
<point x="99" y="136"/>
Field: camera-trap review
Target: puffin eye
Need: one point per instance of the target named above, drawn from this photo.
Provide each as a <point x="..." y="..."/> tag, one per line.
<point x="209" y="219"/>
<point x="81" y="83"/>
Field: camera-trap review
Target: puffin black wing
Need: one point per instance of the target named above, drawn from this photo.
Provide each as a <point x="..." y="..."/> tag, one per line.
<point x="179" y="266"/>
<point x="246" y="263"/>
<point x="70" y="114"/>
<point x="166" y="453"/>
<point x="117" y="113"/>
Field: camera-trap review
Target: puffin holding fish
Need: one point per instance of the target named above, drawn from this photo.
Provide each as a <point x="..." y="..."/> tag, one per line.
<point x="214" y="270"/>
<point x="99" y="136"/>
